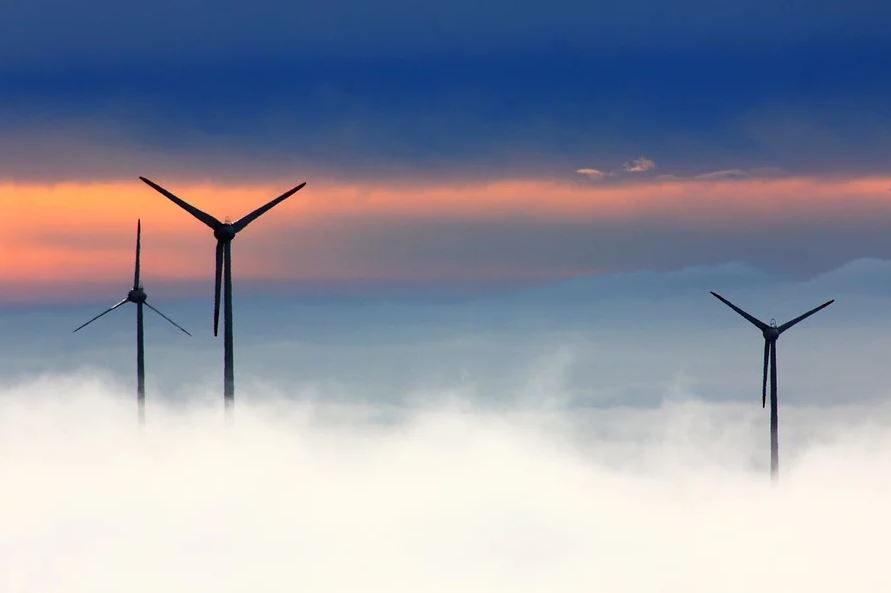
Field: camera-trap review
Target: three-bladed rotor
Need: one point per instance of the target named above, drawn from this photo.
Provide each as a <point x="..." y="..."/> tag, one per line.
<point x="137" y="294"/>
<point x="224" y="232"/>
<point x="771" y="333"/>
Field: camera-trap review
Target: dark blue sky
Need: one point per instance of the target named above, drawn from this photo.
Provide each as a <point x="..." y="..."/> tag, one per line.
<point x="464" y="90"/>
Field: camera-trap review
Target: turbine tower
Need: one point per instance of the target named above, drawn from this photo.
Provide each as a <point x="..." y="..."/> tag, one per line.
<point x="139" y="298"/>
<point x="224" y="233"/>
<point x="771" y="333"/>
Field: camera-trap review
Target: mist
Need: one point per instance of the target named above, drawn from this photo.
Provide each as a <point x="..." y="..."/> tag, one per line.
<point x="603" y="434"/>
<point x="296" y="495"/>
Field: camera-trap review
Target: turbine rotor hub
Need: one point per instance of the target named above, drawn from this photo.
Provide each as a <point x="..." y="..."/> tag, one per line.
<point x="225" y="232"/>
<point x="137" y="295"/>
<point x="771" y="333"/>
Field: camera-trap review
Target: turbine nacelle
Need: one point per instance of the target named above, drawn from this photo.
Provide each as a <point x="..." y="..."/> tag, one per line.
<point x="137" y="295"/>
<point x="771" y="333"/>
<point x="225" y="232"/>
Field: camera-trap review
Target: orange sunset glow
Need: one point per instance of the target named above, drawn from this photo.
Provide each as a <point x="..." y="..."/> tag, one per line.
<point x="60" y="232"/>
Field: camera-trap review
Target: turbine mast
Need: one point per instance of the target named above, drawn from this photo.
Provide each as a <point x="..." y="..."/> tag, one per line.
<point x="228" y="339"/>
<point x="140" y="333"/>
<point x="774" y="416"/>
<point x="140" y="365"/>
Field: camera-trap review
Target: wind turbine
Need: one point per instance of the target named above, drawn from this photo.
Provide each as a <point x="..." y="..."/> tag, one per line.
<point x="224" y="233"/>
<point x="139" y="298"/>
<point x="771" y="333"/>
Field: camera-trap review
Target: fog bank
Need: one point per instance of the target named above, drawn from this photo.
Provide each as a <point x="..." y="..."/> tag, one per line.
<point x="354" y="497"/>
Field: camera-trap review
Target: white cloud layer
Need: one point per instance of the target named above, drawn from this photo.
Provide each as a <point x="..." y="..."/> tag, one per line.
<point x="341" y="499"/>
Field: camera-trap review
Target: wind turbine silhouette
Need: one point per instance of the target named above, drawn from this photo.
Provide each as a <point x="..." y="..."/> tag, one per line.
<point x="137" y="296"/>
<point x="771" y="333"/>
<point x="224" y="233"/>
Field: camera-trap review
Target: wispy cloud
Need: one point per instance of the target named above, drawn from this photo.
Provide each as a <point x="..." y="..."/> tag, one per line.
<point x="724" y="174"/>
<point x="633" y="167"/>
<point x="639" y="165"/>
<point x="591" y="173"/>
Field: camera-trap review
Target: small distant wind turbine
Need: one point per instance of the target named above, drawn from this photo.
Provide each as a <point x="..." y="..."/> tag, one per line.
<point x="771" y="333"/>
<point x="137" y="295"/>
<point x="224" y="233"/>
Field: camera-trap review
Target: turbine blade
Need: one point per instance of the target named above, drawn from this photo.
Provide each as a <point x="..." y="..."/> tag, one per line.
<point x="218" y="283"/>
<point x="138" y="248"/>
<point x="764" y="382"/>
<point x="789" y="324"/>
<point x="773" y="368"/>
<point x="242" y="222"/>
<point x="202" y="216"/>
<point x="753" y="320"/>
<point x="106" y="312"/>
<point x="175" y="324"/>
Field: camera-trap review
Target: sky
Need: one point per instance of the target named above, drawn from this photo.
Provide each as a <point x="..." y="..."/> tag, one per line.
<point x="479" y="344"/>
<point x="474" y="174"/>
<point x="444" y="145"/>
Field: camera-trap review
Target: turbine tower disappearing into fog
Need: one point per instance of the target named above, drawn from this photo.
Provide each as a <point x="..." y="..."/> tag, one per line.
<point x="771" y="333"/>
<point x="139" y="298"/>
<point x="224" y="233"/>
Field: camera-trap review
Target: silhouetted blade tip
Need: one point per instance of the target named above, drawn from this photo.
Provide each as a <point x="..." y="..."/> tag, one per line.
<point x="107" y="311"/>
<point x="172" y="322"/>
